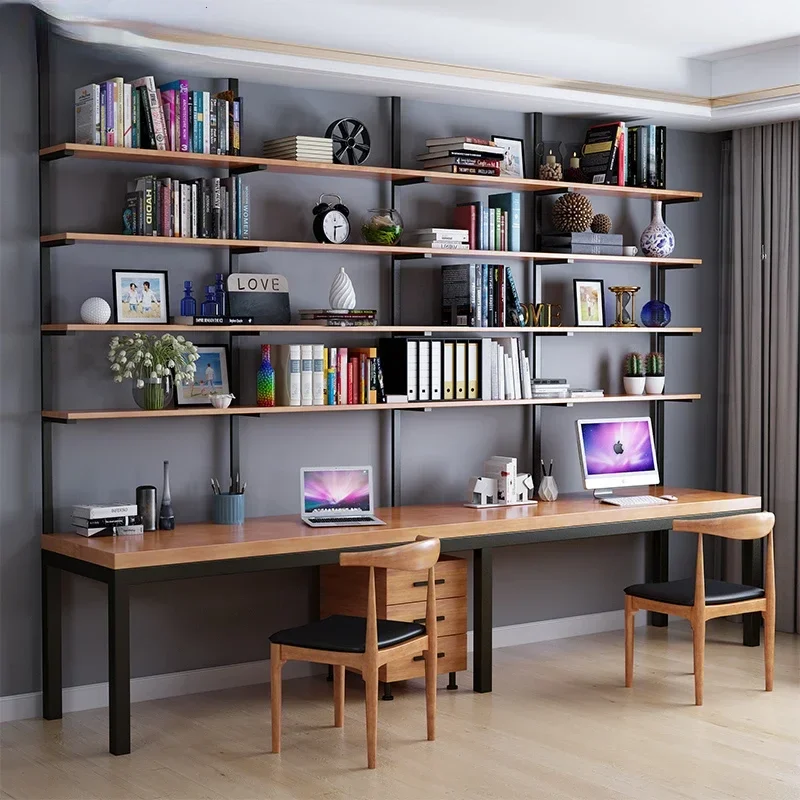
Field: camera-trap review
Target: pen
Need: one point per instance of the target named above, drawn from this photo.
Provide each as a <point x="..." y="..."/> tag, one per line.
<point x="213" y="487"/>
<point x="551" y="468"/>
<point x="544" y="471"/>
<point x="244" y="486"/>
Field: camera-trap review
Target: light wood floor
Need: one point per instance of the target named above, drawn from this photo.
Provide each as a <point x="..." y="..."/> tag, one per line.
<point x="558" y="725"/>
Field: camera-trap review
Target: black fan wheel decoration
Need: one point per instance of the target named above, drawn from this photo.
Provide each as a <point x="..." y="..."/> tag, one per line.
<point x="351" y="143"/>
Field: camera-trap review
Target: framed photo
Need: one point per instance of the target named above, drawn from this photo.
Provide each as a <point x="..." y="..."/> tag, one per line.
<point x="210" y="376"/>
<point x="589" y="303"/>
<point x="513" y="165"/>
<point x="141" y="297"/>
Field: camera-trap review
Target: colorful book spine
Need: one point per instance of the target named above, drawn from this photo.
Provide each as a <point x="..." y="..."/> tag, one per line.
<point x="236" y="127"/>
<point x="206" y="123"/>
<point x="168" y="105"/>
<point x="110" y="115"/>
<point x="180" y="89"/>
<point x="155" y="112"/>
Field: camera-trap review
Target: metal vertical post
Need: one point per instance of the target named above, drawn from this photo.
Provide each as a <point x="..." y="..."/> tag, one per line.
<point x="396" y="148"/>
<point x="534" y="287"/>
<point x="233" y="349"/>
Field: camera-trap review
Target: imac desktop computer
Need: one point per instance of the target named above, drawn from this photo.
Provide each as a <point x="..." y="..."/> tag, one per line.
<point x="619" y="452"/>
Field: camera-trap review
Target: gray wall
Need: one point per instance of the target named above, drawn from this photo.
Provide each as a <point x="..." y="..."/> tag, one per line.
<point x="200" y="623"/>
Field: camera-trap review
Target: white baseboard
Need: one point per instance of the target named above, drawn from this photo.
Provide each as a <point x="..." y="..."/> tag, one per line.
<point x="155" y="687"/>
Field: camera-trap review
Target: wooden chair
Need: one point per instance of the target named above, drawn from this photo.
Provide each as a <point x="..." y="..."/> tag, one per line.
<point x="699" y="600"/>
<point x="364" y="644"/>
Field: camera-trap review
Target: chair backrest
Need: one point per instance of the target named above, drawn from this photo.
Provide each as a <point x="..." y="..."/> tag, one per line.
<point x="742" y="527"/>
<point x="420" y="554"/>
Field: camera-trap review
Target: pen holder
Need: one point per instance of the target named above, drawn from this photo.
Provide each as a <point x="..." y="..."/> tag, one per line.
<point x="229" y="509"/>
<point x="548" y="489"/>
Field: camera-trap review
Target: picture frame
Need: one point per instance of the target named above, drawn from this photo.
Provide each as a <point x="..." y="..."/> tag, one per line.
<point x="513" y="165"/>
<point x="141" y="297"/>
<point x="211" y="376"/>
<point x="589" y="295"/>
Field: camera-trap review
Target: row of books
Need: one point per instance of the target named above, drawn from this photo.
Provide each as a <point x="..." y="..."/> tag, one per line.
<point x="317" y="375"/>
<point x="614" y="153"/>
<point x="107" y="520"/>
<point x="560" y="388"/>
<point x="441" y="238"/>
<point x="300" y="148"/>
<point x="467" y="155"/>
<point x="334" y="318"/>
<point x="204" y="208"/>
<point x="495" y="225"/>
<point x="140" y="114"/>
<point x="480" y="296"/>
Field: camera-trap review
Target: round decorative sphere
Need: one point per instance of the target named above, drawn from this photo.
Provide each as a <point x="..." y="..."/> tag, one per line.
<point x="601" y="223"/>
<point x="656" y="314"/>
<point x="342" y="296"/>
<point x="95" y="311"/>
<point x="572" y="213"/>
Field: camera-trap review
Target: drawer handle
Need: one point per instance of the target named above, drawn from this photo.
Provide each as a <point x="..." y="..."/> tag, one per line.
<point x="422" y="658"/>
<point x="437" y="582"/>
<point x="421" y="620"/>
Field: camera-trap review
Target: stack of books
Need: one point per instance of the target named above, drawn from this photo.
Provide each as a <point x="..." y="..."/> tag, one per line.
<point x="316" y="375"/>
<point x="467" y="155"/>
<point x="203" y="208"/>
<point x="300" y="148"/>
<point x="107" y="520"/>
<point x="493" y="226"/>
<point x="441" y="238"/>
<point x="614" y="153"/>
<point x="480" y="296"/>
<point x="587" y="393"/>
<point x="334" y="318"/>
<point x="598" y="244"/>
<point x="550" y="387"/>
<point x="140" y="114"/>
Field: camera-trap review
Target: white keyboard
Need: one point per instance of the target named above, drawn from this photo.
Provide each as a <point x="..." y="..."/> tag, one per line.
<point x="634" y="501"/>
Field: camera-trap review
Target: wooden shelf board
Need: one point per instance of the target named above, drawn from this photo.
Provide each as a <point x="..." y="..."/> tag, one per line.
<point x="80" y="327"/>
<point x="203" y="411"/>
<point x="123" y="154"/>
<point x="55" y="239"/>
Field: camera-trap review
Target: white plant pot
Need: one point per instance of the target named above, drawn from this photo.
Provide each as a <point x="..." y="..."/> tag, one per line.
<point x="633" y="385"/>
<point x="654" y="384"/>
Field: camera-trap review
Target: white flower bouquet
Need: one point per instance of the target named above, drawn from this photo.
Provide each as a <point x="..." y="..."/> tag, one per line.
<point x="154" y="364"/>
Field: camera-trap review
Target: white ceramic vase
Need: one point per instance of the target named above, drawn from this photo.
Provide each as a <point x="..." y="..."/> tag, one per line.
<point x="657" y="240"/>
<point x="342" y="296"/>
<point x="654" y="384"/>
<point x="633" y="385"/>
<point x="548" y="489"/>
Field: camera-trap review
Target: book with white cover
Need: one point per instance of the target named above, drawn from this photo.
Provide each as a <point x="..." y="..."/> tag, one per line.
<point x="527" y="393"/>
<point x="412" y="367"/>
<point x="436" y="369"/>
<point x="461" y="371"/>
<point x="508" y="371"/>
<point x="486" y="369"/>
<point x="504" y="471"/>
<point x="87" y="114"/>
<point x="101" y="511"/>
<point x="448" y="370"/>
<point x="318" y="376"/>
<point x="306" y="375"/>
<point x="424" y="370"/>
<point x="473" y="371"/>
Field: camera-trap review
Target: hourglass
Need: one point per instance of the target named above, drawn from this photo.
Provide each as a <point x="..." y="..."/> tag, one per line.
<point x="626" y="312"/>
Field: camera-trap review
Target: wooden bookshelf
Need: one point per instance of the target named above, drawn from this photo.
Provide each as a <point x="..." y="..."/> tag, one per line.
<point x="434" y="330"/>
<point x="489" y="256"/>
<point x="246" y="163"/>
<point x="208" y="411"/>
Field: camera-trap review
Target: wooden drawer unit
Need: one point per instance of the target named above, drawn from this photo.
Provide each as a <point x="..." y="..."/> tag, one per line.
<point x="401" y="595"/>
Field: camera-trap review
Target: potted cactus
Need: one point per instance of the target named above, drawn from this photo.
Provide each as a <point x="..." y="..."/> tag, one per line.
<point x="633" y="379"/>
<point x="654" y="373"/>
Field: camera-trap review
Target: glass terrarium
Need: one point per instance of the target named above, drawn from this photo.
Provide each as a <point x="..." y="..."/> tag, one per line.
<point x="383" y="226"/>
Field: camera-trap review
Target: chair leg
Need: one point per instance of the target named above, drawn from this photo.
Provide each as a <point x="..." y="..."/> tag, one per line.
<point x="276" y="665"/>
<point x="699" y="647"/>
<point x="430" y="691"/>
<point x="630" y="617"/>
<point x="338" y="696"/>
<point x="769" y="648"/>
<point x="371" y="690"/>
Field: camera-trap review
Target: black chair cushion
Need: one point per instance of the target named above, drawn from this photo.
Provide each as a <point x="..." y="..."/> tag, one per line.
<point x="344" y="634"/>
<point x="681" y="593"/>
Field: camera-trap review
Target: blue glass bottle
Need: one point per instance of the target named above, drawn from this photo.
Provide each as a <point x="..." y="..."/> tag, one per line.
<point x="209" y="307"/>
<point x="188" y="303"/>
<point x="221" y="296"/>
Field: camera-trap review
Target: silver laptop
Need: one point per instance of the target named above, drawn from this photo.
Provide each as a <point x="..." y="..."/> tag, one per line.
<point x="332" y="496"/>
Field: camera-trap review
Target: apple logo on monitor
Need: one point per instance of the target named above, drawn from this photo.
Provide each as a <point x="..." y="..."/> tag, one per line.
<point x="618" y="448"/>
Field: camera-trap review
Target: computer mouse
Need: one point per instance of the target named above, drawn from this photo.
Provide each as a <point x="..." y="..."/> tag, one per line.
<point x="670" y="497"/>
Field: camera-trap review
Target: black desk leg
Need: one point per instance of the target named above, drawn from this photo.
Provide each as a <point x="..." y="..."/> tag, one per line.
<point x="119" y="667"/>
<point x="51" y="641"/>
<point x="482" y="619"/>
<point x="657" y="569"/>
<point x="752" y="575"/>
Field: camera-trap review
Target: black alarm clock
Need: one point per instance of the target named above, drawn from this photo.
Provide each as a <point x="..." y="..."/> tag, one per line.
<point x="331" y="223"/>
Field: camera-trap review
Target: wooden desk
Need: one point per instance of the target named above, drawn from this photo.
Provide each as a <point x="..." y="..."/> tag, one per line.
<point x="277" y="542"/>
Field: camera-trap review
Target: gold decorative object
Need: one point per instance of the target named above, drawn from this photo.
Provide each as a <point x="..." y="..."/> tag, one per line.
<point x="626" y="306"/>
<point x="572" y="213"/>
<point x="601" y="223"/>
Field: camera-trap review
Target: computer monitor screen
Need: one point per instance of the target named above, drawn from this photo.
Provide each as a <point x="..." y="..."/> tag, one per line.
<point x="335" y="489"/>
<point x="617" y="452"/>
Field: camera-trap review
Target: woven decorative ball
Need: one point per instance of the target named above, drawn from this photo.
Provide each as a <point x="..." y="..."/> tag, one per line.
<point x="601" y="223"/>
<point x="95" y="311"/>
<point x="572" y="213"/>
<point x="550" y="172"/>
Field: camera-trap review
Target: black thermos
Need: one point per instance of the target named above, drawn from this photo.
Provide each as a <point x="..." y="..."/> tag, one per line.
<point x="147" y="506"/>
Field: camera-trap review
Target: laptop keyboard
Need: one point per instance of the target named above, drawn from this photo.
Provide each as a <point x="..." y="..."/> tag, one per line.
<point x="340" y="519"/>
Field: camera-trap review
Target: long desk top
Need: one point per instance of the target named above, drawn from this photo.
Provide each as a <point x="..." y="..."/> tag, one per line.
<point x="279" y="535"/>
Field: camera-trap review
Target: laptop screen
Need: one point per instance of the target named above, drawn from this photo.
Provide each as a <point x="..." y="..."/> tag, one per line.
<point x="332" y="491"/>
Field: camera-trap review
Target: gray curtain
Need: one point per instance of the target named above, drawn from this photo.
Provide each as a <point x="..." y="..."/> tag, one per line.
<point x="759" y="414"/>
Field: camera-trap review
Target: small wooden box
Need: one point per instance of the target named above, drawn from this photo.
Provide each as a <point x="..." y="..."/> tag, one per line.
<point x="401" y="595"/>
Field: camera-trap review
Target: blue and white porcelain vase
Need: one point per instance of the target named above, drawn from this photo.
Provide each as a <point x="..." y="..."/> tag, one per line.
<point x="657" y="241"/>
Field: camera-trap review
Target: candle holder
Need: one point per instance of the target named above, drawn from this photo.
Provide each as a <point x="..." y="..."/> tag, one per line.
<point x="572" y="163"/>
<point x="548" y="155"/>
<point x="625" y="305"/>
